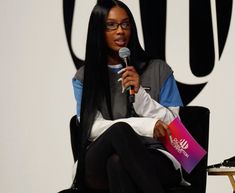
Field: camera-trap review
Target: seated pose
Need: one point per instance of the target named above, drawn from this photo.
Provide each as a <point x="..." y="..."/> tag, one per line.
<point x="120" y="149"/>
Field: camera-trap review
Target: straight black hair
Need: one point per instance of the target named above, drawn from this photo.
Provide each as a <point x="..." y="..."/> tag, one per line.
<point x="96" y="90"/>
<point x="96" y="80"/>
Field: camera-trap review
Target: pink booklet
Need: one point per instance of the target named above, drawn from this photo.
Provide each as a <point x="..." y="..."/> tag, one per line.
<point x="183" y="146"/>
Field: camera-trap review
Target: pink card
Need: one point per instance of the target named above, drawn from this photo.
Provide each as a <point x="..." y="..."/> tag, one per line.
<point x="183" y="146"/>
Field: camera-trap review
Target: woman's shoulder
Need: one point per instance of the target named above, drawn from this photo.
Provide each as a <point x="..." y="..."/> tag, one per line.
<point x="162" y="64"/>
<point x="156" y="70"/>
<point x="159" y="65"/>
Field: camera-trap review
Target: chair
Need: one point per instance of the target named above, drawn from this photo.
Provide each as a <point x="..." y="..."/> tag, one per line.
<point x="196" y="120"/>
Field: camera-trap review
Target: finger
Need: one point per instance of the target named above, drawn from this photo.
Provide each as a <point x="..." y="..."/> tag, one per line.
<point x="129" y="79"/>
<point x="158" y="129"/>
<point x="133" y="83"/>
<point x="157" y="134"/>
<point x="121" y="71"/>
<point x="161" y="132"/>
<point x="167" y="129"/>
<point x="130" y="68"/>
<point x="128" y="73"/>
<point x="163" y="128"/>
<point x="168" y="132"/>
<point x="128" y="85"/>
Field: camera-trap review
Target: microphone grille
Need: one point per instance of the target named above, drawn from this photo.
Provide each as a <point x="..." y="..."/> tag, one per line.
<point x="124" y="52"/>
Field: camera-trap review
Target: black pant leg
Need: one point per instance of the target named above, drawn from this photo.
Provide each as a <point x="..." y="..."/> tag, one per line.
<point x="119" y="179"/>
<point x="164" y="168"/>
<point x="122" y="140"/>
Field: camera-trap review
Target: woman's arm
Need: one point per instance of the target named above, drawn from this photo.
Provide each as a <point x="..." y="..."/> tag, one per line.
<point x="150" y="110"/>
<point x="143" y="126"/>
<point x="168" y="106"/>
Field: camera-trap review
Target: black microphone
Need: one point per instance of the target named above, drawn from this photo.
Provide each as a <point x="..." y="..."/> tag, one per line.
<point x="125" y="53"/>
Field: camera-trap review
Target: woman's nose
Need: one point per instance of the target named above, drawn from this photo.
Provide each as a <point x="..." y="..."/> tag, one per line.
<point x="119" y="29"/>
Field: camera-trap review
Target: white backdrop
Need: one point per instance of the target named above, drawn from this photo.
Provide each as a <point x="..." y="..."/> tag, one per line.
<point x="37" y="97"/>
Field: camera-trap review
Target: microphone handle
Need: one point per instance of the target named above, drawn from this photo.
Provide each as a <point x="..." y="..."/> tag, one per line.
<point x="131" y="93"/>
<point x="126" y="61"/>
<point x="130" y="89"/>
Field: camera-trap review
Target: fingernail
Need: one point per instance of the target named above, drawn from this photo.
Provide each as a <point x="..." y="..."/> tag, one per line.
<point x="120" y="71"/>
<point x="120" y="79"/>
<point x="123" y="89"/>
<point x="170" y="137"/>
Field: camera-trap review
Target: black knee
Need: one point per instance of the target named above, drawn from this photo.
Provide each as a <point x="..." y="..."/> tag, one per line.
<point x="121" y="129"/>
<point x="113" y="164"/>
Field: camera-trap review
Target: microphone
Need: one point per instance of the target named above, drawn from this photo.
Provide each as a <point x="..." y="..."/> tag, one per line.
<point x="125" y="53"/>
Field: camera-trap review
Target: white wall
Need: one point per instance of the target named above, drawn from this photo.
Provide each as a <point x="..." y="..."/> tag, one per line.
<point x="36" y="97"/>
<point x="36" y="100"/>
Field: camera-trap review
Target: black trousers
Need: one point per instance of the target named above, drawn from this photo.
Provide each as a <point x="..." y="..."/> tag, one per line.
<point x="118" y="161"/>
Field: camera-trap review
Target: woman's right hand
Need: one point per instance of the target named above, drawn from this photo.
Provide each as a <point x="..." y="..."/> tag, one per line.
<point x="130" y="78"/>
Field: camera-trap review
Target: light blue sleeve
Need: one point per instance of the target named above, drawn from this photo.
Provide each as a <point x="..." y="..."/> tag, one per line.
<point x="78" y="87"/>
<point x="169" y="94"/>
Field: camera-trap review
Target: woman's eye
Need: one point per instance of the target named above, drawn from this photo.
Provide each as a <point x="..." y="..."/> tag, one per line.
<point x="110" y="25"/>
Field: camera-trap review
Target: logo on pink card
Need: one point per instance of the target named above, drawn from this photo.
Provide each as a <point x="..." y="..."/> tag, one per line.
<point x="183" y="146"/>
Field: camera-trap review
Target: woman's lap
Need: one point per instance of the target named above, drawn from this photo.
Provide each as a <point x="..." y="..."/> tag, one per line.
<point x="102" y="149"/>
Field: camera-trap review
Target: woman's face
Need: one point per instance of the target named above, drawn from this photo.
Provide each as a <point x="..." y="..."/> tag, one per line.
<point x="118" y="30"/>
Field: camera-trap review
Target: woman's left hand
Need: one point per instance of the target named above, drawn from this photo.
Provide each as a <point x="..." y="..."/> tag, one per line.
<point x="161" y="129"/>
<point x="130" y="78"/>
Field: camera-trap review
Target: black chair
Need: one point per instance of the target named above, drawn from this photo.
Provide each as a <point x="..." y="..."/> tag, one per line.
<point x="196" y="120"/>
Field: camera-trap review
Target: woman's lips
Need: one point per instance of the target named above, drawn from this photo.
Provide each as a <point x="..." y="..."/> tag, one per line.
<point x="120" y="42"/>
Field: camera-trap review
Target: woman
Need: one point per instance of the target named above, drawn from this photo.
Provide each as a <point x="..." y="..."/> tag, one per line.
<point x="120" y="151"/>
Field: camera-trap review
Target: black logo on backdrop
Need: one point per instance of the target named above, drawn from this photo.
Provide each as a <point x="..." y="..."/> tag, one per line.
<point x="153" y="16"/>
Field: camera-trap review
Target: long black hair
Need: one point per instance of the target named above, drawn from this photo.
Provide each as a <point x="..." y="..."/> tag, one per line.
<point x="96" y="88"/>
<point x="96" y="79"/>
